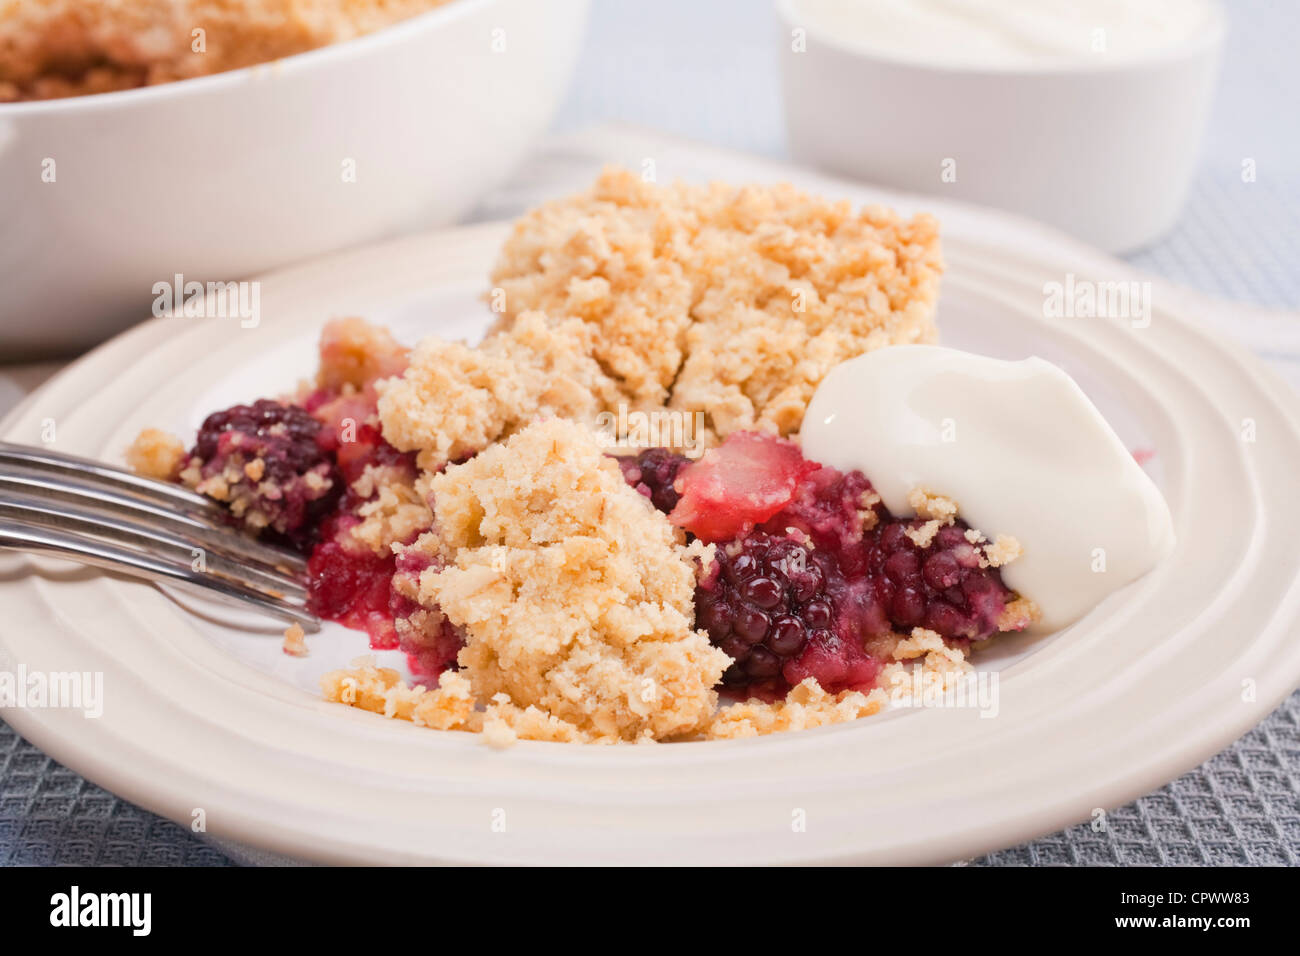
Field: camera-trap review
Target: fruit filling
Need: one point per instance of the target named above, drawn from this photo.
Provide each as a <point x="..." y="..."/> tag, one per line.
<point x="802" y="578"/>
<point x="268" y="464"/>
<point x="314" y="472"/>
<point x="814" y="569"/>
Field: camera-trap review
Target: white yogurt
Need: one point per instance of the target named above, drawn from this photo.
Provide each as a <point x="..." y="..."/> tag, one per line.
<point x="1006" y="34"/>
<point x="1021" y="450"/>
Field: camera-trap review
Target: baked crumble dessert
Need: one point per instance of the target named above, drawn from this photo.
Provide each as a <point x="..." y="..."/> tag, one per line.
<point x="57" y="48"/>
<point x="462" y="503"/>
<point x="733" y="302"/>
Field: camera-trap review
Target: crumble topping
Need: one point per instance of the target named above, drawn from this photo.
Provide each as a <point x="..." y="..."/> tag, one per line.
<point x="295" y="641"/>
<point x="733" y="301"/>
<point x="504" y="724"/>
<point x="730" y="302"/>
<point x="804" y="707"/>
<point x="933" y="507"/>
<point x="381" y="690"/>
<point x="574" y="594"/>
<point x="455" y="400"/>
<point x="1003" y="550"/>
<point x="939" y="512"/>
<point x="943" y="665"/>
<point x="393" y="510"/>
<point x="56" y="48"/>
<point x="155" y="454"/>
<point x="1018" y="615"/>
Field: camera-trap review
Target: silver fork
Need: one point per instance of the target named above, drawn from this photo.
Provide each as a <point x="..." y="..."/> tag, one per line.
<point x="86" y="511"/>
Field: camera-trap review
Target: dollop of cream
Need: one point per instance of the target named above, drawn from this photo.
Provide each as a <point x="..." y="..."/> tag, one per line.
<point x="1021" y="450"/>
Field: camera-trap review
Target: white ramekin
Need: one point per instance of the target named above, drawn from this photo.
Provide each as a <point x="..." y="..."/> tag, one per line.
<point x="1105" y="152"/>
<point x="225" y="176"/>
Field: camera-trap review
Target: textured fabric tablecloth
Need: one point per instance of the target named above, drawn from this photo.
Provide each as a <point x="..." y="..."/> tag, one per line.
<point x="707" y="72"/>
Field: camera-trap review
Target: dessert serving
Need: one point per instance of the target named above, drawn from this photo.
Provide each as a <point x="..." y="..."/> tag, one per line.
<point x="57" y="48"/>
<point x="781" y="558"/>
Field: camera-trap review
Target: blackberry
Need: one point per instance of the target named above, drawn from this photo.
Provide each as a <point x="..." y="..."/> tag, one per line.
<point x="940" y="586"/>
<point x="286" y="436"/>
<point x="652" y="472"/>
<point x="833" y="509"/>
<point x="278" y="493"/>
<point x="763" y="601"/>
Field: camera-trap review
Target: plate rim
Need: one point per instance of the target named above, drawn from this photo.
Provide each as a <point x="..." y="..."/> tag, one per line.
<point x="47" y="739"/>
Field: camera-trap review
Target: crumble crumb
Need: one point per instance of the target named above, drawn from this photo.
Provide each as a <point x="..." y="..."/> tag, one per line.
<point x="804" y="707"/>
<point x="923" y="535"/>
<point x="731" y="301"/>
<point x="1018" y="615"/>
<point x="393" y="510"/>
<point x="1003" y="550"/>
<point x="934" y="507"/>
<point x="575" y="595"/>
<point x="449" y="706"/>
<point x="943" y="665"/>
<point x="941" y="511"/>
<point x="504" y="724"/>
<point x="57" y="48"/>
<point x="923" y="642"/>
<point x="498" y="734"/>
<point x="454" y="400"/>
<point x="156" y="454"/>
<point x="295" y="644"/>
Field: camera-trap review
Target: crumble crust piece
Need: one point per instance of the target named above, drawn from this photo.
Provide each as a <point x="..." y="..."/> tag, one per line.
<point x="156" y="454"/>
<point x="733" y="301"/>
<point x="454" y="400"/>
<point x="944" y="665"/>
<point x="393" y="511"/>
<point x="449" y="706"/>
<point x="55" y="48"/>
<point x="940" y="511"/>
<point x="804" y="707"/>
<point x="295" y="643"/>
<point x="504" y="724"/>
<point x="575" y="595"/>
<point x="1018" y="615"/>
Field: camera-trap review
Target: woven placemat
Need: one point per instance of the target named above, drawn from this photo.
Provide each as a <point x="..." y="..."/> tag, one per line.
<point x="1240" y="808"/>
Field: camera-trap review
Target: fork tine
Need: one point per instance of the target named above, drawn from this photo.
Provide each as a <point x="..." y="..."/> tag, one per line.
<point x="117" y="530"/>
<point x="44" y="461"/>
<point x="27" y="536"/>
<point x="209" y="530"/>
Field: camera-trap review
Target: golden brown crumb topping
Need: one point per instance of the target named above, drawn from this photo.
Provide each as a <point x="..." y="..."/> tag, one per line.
<point x="804" y="707"/>
<point x="575" y="595"/>
<point x="393" y="509"/>
<point x="156" y="454"/>
<point x="455" y="400"/>
<point x="295" y="641"/>
<point x="733" y="301"/>
<point x="54" y="48"/>
<point x="381" y="690"/>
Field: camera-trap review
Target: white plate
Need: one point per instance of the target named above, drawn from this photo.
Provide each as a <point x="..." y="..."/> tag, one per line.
<point x="200" y="715"/>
